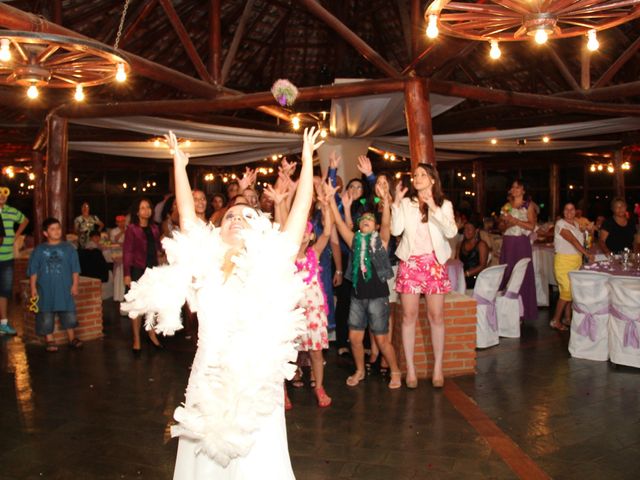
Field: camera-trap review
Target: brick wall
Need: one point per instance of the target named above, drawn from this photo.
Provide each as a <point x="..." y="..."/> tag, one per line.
<point x="460" y="337"/>
<point x="88" y="309"/>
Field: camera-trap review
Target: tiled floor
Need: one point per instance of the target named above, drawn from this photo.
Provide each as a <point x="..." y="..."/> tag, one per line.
<point x="101" y="413"/>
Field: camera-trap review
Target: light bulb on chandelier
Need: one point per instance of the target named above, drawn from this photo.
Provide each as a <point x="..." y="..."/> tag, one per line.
<point x="121" y="74"/>
<point x="432" y="26"/>
<point x="495" y="52"/>
<point x="541" y="36"/>
<point x="592" y="43"/>
<point x="32" y="92"/>
<point x="79" y="95"/>
<point x="5" y="53"/>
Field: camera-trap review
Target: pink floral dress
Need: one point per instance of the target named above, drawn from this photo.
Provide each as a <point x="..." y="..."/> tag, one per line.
<point x="314" y="303"/>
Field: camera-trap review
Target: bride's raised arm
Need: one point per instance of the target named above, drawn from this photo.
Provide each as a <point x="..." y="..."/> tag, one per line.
<point x="297" y="219"/>
<point x="184" y="197"/>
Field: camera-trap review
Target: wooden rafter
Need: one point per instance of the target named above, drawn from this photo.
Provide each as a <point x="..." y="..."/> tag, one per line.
<point x="137" y="20"/>
<point x="235" y="43"/>
<point x="585" y="69"/>
<point x="185" y="39"/>
<point x="618" y="64"/>
<point x="564" y="69"/>
<point x="350" y="37"/>
<point x="215" y="40"/>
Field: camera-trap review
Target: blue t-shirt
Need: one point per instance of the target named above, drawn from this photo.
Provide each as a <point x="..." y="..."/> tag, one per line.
<point x="54" y="265"/>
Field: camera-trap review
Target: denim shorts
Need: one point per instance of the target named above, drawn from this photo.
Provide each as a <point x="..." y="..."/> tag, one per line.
<point x="45" y="321"/>
<point x="376" y="310"/>
<point x="6" y="278"/>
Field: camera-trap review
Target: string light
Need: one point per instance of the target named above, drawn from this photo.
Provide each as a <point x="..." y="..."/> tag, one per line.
<point x="625" y="166"/>
<point x="274" y="157"/>
<point x="124" y="185"/>
<point x="79" y="95"/>
<point x="392" y="157"/>
<point x="324" y="133"/>
<point x="545" y="139"/>
<point x="494" y="51"/>
<point x="541" y="36"/>
<point x="295" y="122"/>
<point x="32" y="176"/>
<point x="187" y="143"/>
<point x="592" y="43"/>
<point x="121" y="74"/>
<point x="432" y="26"/>
<point x="32" y="92"/>
<point x="386" y="155"/>
<point x="592" y="168"/>
<point x="156" y="142"/>
<point x="610" y="168"/>
<point x="5" y="53"/>
<point x="494" y="141"/>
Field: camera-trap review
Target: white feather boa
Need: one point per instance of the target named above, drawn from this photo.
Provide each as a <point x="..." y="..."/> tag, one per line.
<point x="247" y="328"/>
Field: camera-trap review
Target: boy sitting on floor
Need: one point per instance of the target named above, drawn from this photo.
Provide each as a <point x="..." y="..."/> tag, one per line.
<point x="54" y="272"/>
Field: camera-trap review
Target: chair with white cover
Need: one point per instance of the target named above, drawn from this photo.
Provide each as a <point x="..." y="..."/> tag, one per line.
<point x="509" y="305"/>
<point x="590" y="316"/>
<point x="624" y="321"/>
<point x="485" y="292"/>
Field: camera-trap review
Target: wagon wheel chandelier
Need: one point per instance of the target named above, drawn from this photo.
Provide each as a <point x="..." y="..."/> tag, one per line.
<point x="497" y="21"/>
<point x="33" y="59"/>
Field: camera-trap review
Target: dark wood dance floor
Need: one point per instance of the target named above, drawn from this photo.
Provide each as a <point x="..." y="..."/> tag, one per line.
<point x="530" y="412"/>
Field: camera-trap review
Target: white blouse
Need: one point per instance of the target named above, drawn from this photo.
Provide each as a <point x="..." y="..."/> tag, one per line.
<point x="561" y="245"/>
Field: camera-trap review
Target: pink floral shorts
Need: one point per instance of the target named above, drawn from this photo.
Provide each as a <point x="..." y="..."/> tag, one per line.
<point x="422" y="274"/>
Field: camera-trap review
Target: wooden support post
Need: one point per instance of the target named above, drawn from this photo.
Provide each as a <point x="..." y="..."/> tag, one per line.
<point x="418" y="112"/>
<point x="618" y="181"/>
<point x="215" y="41"/>
<point x="479" y="186"/>
<point x="57" y="169"/>
<point x="39" y="195"/>
<point x="627" y="55"/>
<point x="554" y="191"/>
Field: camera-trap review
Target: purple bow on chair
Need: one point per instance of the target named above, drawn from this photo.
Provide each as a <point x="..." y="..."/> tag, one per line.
<point x="492" y="319"/>
<point x="630" y="330"/>
<point x="514" y="296"/>
<point x="589" y="327"/>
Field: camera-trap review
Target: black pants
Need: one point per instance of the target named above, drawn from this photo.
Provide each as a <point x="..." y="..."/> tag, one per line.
<point x="343" y="296"/>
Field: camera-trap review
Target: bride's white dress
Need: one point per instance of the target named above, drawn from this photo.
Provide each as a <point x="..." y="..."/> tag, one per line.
<point x="231" y="425"/>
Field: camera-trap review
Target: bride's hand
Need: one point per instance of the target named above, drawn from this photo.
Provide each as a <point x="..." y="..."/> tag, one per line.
<point x="180" y="158"/>
<point x="310" y="145"/>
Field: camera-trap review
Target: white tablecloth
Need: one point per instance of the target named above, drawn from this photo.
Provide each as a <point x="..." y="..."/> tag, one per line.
<point x="543" y="271"/>
<point x="114" y="288"/>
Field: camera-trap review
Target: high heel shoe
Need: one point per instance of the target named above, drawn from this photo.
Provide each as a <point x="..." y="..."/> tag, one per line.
<point x="437" y="382"/>
<point x="412" y="384"/>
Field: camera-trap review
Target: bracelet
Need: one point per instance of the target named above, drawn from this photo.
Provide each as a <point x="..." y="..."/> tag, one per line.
<point x="338" y="272"/>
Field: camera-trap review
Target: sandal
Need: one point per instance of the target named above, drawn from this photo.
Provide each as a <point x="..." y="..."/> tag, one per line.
<point x="297" y="381"/>
<point x="557" y="326"/>
<point x="324" y="400"/>
<point x="51" y="347"/>
<point x="75" y="344"/>
<point x="396" y="380"/>
<point x="355" y="379"/>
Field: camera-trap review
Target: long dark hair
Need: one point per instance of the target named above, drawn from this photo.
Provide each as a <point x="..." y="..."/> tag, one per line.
<point x="438" y="195"/>
<point x="133" y="212"/>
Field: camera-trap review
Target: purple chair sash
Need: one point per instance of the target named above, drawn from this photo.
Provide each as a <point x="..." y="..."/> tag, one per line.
<point x="589" y="327"/>
<point x="492" y="319"/>
<point x="516" y="296"/>
<point x="631" y="337"/>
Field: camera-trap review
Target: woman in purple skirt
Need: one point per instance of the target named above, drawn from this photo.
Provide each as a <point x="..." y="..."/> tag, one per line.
<point x="517" y="222"/>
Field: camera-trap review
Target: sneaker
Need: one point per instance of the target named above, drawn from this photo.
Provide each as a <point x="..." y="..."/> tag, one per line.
<point x="7" y="329"/>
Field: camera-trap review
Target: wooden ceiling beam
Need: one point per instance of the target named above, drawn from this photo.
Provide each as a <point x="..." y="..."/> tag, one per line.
<point x="228" y="102"/>
<point x="618" y="64"/>
<point x="139" y="17"/>
<point x="235" y="42"/>
<point x="185" y="39"/>
<point x="351" y="38"/>
<point x="352" y="89"/>
<point x="564" y="69"/>
<point x="215" y="41"/>
<point x="530" y="100"/>
<point x="13" y="18"/>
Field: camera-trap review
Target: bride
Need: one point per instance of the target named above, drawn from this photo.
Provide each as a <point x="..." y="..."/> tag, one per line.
<point x="241" y="280"/>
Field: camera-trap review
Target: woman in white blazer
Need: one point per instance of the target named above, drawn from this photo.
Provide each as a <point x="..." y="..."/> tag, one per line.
<point x="425" y="221"/>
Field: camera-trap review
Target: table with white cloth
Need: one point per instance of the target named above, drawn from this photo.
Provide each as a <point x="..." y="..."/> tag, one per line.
<point x="115" y="286"/>
<point x="543" y="254"/>
<point x="455" y="270"/>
